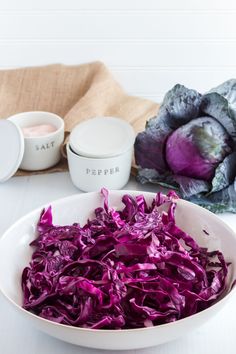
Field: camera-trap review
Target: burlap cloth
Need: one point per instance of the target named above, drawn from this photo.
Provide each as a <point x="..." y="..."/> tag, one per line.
<point x="75" y="93"/>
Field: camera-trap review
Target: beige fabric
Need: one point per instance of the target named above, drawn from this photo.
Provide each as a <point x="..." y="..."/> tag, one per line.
<point x="75" y="93"/>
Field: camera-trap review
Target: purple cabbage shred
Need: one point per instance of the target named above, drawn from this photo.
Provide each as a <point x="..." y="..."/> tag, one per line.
<point x="123" y="269"/>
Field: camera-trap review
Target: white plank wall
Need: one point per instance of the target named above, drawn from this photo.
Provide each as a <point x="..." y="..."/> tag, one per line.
<point x="149" y="45"/>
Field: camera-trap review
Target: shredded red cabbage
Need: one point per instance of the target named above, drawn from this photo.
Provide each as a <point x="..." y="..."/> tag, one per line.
<point x="124" y="269"/>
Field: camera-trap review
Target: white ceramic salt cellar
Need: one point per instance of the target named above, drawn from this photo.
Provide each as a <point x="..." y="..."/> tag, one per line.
<point x="29" y="153"/>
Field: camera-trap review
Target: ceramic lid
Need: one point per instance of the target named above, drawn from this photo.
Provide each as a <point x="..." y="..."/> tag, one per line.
<point x="102" y="137"/>
<point x="11" y="149"/>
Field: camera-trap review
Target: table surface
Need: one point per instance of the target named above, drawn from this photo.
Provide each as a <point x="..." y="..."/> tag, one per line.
<point x="20" y="195"/>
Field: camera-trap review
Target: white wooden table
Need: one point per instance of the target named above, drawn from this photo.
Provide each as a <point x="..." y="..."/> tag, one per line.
<point x="22" y="194"/>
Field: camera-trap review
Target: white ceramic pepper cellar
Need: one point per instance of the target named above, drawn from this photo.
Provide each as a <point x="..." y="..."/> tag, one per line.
<point x="99" y="153"/>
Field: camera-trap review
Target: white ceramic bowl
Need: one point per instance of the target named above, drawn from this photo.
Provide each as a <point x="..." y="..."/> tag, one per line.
<point x="15" y="255"/>
<point x="40" y="152"/>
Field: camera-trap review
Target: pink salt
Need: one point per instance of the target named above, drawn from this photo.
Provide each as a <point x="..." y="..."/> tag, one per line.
<point x="38" y="130"/>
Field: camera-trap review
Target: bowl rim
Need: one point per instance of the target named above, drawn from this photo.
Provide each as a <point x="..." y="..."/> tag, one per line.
<point x="55" y="202"/>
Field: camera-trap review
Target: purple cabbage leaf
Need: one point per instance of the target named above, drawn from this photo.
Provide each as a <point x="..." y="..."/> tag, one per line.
<point x="191" y="146"/>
